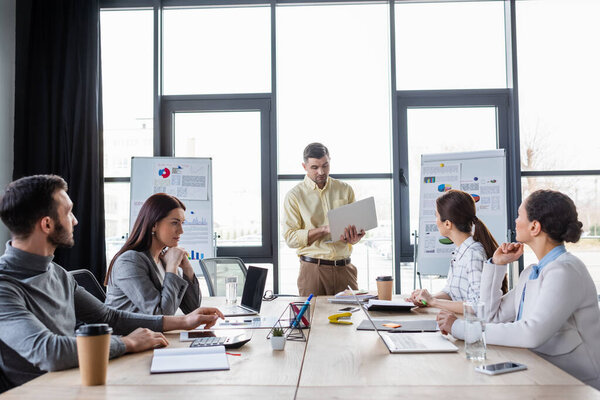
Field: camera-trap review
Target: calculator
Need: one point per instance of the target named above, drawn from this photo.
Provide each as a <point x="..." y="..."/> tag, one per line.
<point x="229" y="339"/>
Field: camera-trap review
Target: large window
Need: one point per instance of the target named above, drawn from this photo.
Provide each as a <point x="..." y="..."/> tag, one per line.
<point x="560" y="138"/>
<point x="234" y="133"/>
<point x="333" y="85"/>
<point x="450" y="45"/>
<point x="217" y="87"/>
<point x="558" y="84"/>
<point x="442" y="130"/>
<point x="209" y="134"/>
<point x="250" y="84"/>
<point x="217" y="50"/>
<point x="451" y="81"/>
<point x="127" y="107"/>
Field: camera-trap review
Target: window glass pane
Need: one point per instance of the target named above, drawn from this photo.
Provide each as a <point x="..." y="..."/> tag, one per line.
<point x="372" y="256"/>
<point x="127" y="84"/>
<point x="333" y="85"/>
<point x="457" y="45"/>
<point x="558" y="84"/>
<point x="585" y="193"/>
<point x="217" y="50"/>
<point x="236" y="176"/>
<point x="444" y="130"/>
<point x="116" y="216"/>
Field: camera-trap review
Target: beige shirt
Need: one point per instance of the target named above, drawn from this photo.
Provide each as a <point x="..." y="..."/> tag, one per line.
<point x="305" y="208"/>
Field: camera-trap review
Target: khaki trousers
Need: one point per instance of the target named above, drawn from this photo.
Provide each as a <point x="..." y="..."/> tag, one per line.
<point x="325" y="280"/>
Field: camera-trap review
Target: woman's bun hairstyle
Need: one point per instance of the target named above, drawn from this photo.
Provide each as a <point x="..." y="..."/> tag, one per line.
<point x="556" y="213"/>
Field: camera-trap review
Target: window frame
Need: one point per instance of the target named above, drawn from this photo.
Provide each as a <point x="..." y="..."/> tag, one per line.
<point x="497" y="98"/>
<point x="269" y="176"/>
<point x="229" y="103"/>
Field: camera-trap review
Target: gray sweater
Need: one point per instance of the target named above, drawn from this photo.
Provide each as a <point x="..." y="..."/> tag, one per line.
<point x="39" y="306"/>
<point x="134" y="286"/>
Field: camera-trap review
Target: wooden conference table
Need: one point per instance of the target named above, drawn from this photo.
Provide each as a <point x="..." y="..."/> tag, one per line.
<point x="337" y="361"/>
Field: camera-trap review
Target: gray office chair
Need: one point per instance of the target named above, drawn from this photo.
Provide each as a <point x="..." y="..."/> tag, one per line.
<point x="86" y="279"/>
<point x="215" y="270"/>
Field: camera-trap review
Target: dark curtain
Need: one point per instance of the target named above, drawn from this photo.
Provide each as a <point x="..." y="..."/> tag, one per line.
<point x="58" y="117"/>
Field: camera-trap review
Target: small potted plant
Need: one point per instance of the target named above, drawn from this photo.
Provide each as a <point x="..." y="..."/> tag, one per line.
<point x="277" y="339"/>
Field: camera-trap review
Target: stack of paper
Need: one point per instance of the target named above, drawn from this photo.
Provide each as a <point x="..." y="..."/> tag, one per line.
<point x="346" y="297"/>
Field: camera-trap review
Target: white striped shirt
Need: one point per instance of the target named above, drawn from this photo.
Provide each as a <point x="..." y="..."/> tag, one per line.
<point x="464" y="276"/>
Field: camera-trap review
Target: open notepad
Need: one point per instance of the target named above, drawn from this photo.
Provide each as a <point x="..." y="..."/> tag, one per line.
<point x="189" y="359"/>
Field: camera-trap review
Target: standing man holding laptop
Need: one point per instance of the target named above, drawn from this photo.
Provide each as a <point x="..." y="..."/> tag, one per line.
<point x="325" y="267"/>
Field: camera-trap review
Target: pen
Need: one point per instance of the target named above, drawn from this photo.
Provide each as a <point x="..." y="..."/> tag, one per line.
<point x="423" y="302"/>
<point x="302" y="311"/>
<point x="297" y="310"/>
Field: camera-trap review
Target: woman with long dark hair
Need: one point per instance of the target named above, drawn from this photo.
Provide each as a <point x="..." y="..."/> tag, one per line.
<point x="150" y="274"/>
<point x="553" y="310"/>
<point x="456" y="219"/>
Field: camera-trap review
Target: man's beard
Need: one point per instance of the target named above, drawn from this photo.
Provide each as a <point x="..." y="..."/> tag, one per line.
<point x="60" y="237"/>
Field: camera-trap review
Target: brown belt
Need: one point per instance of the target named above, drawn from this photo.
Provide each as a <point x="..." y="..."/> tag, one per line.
<point x="344" y="261"/>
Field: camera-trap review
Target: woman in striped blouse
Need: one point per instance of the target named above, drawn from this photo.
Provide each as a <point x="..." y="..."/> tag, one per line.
<point x="456" y="220"/>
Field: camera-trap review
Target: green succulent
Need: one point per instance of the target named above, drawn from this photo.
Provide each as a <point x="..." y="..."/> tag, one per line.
<point x="277" y="332"/>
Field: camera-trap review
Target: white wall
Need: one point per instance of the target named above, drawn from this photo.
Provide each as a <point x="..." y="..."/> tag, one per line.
<point x="7" y="97"/>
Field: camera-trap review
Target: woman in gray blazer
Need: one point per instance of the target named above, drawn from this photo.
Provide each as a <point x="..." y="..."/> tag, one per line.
<point x="150" y="274"/>
<point x="553" y="310"/>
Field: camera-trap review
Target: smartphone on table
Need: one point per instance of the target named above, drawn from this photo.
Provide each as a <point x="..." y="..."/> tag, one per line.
<point x="350" y="309"/>
<point x="500" y="368"/>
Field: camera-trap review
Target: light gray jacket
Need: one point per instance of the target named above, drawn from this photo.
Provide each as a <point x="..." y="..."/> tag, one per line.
<point x="560" y="319"/>
<point x="134" y="285"/>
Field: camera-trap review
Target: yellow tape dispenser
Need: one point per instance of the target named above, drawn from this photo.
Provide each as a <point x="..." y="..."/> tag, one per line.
<point x="340" y="318"/>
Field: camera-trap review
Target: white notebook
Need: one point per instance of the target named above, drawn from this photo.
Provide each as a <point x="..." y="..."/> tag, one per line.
<point x="212" y="358"/>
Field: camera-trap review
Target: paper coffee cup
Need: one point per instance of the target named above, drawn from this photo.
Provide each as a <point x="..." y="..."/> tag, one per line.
<point x="93" y="347"/>
<point x="385" y="285"/>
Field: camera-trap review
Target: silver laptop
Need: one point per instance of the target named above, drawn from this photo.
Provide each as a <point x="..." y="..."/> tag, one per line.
<point x="361" y="214"/>
<point x="404" y="342"/>
<point x="256" y="278"/>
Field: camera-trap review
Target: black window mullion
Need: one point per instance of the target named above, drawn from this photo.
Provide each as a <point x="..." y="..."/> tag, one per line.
<point x="498" y="98"/>
<point x="231" y="103"/>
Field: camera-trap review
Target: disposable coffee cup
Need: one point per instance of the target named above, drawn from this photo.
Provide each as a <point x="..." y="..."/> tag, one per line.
<point x="93" y="346"/>
<point x="385" y="285"/>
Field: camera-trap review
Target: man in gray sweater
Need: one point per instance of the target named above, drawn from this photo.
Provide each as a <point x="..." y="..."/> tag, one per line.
<point x="40" y="302"/>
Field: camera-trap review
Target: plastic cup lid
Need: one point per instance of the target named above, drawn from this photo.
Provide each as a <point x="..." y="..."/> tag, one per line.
<point x="93" y="330"/>
<point x="385" y="278"/>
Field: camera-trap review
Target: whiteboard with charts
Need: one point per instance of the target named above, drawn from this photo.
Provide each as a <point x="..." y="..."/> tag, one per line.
<point x="482" y="174"/>
<point x="188" y="179"/>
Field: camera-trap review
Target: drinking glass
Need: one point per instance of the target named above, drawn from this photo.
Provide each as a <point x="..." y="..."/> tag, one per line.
<point x="474" y="330"/>
<point x="231" y="289"/>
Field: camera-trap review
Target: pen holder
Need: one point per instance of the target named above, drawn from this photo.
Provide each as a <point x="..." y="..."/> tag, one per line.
<point x="293" y="332"/>
<point x="295" y="308"/>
